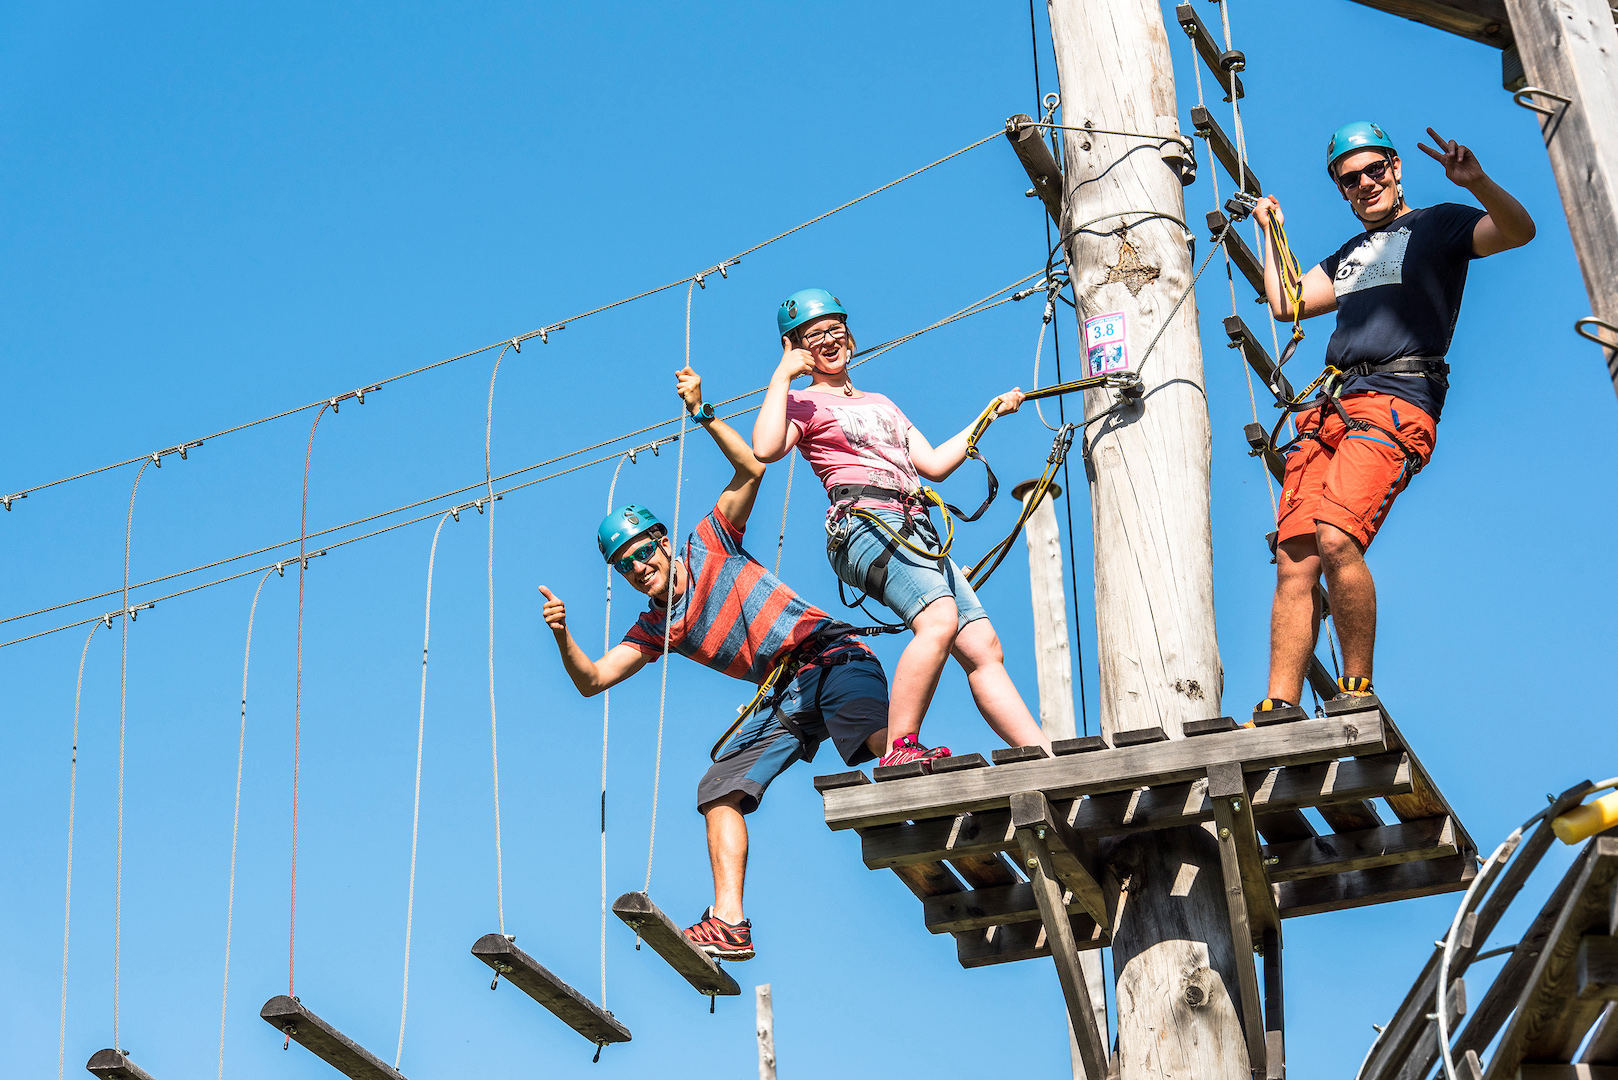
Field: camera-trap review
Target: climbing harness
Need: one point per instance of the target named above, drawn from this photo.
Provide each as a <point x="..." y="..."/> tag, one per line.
<point x="978" y="574"/>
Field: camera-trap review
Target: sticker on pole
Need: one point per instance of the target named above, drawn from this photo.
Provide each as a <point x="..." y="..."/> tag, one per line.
<point x="1105" y="344"/>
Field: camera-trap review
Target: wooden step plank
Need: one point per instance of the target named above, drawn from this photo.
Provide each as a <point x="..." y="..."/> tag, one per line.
<point x="1223" y="149"/>
<point x="976" y="909"/>
<point x="1123" y="768"/>
<point x="1209" y="50"/>
<point x="959" y="762"/>
<point x="113" y="1065"/>
<point x="1022" y="941"/>
<point x="668" y="941"/>
<point x="1085" y="744"/>
<point x="288" y="1016"/>
<point x="1424" y="800"/>
<point x="1341" y="853"/>
<point x="534" y="979"/>
<point x="1139" y="736"/>
<point x="1241" y="256"/>
<point x="1011" y="755"/>
<point x="1281" y="826"/>
<point x="1211" y="726"/>
<point x="1385" y="884"/>
<point x="1350" y="817"/>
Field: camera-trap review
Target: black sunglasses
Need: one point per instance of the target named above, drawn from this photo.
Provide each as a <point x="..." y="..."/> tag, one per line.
<point x="1350" y="180"/>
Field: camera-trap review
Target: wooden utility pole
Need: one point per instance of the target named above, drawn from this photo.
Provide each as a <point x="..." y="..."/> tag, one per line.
<point x="1173" y="960"/>
<point x="766" y="1033"/>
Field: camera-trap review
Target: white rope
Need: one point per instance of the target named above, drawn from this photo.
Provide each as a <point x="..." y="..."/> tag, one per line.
<point x="1037" y="350"/>
<point x="72" y="801"/>
<point x="236" y="820"/>
<point x="123" y="700"/>
<point x="668" y="611"/>
<point x="494" y="734"/>
<point x="606" y="696"/>
<point x="786" y="500"/>
<point x="415" y="813"/>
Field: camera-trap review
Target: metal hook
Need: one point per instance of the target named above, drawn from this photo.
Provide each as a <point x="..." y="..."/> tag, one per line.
<point x="1578" y="328"/>
<point x="516" y="343"/>
<point x="1520" y="96"/>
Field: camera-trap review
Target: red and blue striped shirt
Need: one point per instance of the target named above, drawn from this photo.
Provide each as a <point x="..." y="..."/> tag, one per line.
<point x="734" y="616"/>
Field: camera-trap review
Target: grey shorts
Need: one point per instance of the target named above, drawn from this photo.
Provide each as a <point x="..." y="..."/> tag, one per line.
<point x="845" y="702"/>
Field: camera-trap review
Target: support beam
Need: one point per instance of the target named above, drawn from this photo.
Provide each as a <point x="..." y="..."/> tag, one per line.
<point x="1023" y="941"/>
<point x="668" y="941"/>
<point x="1029" y="143"/>
<point x="288" y="1016"/>
<point x="1341" y="853"/>
<point x="1598" y="968"/>
<point x="534" y="979"/>
<point x="1480" y="20"/>
<point x="113" y="1065"/>
<point x="1074" y="860"/>
<point x="1248" y="902"/>
<point x="1275" y="1048"/>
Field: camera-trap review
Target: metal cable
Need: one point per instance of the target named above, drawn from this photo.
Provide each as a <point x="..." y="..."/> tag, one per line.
<point x="1044" y="323"/>
<point x="494" y="733"/>
<point x="415" y="813"/>
<point x="236" y="821"/>
<point x="72" y="803"/>
<point x="606" y="697"/>
<point x="123" y="701"/>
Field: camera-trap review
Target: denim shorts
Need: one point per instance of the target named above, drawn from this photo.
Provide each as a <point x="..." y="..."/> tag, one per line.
<point x="913" y="580"/>
<point x="845" y="702"/>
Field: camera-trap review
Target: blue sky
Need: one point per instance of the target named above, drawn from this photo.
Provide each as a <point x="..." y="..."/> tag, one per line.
<point x="219" y="213"/>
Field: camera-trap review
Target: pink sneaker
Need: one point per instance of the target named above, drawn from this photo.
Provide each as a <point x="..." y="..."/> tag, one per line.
<point x="907" y="749"/>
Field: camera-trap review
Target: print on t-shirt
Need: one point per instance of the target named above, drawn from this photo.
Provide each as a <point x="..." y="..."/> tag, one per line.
<point x="1379" y="260"/>
<point x="866" y="427"/>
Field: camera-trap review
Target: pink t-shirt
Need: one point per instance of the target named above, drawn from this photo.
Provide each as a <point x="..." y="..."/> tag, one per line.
<point x="862" y="440"/>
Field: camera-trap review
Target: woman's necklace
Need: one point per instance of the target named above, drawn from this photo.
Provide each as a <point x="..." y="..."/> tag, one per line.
<point x="848" y="389"/>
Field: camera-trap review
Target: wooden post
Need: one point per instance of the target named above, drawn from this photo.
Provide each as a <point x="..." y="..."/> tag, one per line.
<point x="1569" y="52"/>
<point x="1148" y="468"/>
<point x="766" y="1033"/>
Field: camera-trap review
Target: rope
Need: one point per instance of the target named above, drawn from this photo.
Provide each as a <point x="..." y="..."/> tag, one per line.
<point x="72" y="802"/>
<point x="1037" y="350"/>
<point x="786" y="500"/>
<point x="668" y="614"/>
<point x="297" y="705"/>
<point x="976" y="308"/>
<point x="123" y="701"/>
<point x="1235" y="102"/>
<point x="415" y="813"/>
<point x="494" y="733"/>
<point x="235" y="822"/>
<point x="606" y="707"/>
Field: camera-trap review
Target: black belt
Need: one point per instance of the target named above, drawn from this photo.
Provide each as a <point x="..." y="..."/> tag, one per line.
<point x="856" y="492"/>
<point x="1407" y="365"/>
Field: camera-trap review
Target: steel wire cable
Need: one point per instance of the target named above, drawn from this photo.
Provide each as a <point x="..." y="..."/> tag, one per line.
<point x="494" y="732"/>
<point x="72" y="804"/>
<point x="123" y="701"/>
<point x="606" y="707"/>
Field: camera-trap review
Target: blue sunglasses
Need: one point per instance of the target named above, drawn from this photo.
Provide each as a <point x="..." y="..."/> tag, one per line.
<point x="641" y="554"/>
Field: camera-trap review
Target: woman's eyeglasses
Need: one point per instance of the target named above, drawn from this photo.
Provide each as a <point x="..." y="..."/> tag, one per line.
<point x="641" y="554"/>
<point x="835" y="333"/>
<point x="1375" y="172"/>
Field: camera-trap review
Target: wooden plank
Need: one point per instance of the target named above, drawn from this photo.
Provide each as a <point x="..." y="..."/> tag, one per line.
<point x="1139" y="736"/>
<point x="1229" y="796"/>
<point x="1022" y="941"/>
<point x="1598" y="968"/>
<point x="1211" y="726"/>
<point x="1029" y="144"/>
<point x="1175" y="761"/>
<point x="288" y="1016"/>
<point x="1072" y="857"/>
<point x="1480" y="20"/>
<point x="1383" y="885"/>
<point x="534" y="979"/>
<point x="1568" y="1072"/>
<point x="985" y="871"/>
<point x="1275" y="1049"/>
<point x="959" y="762"/>
<point x="1550" y="1021"/>
<point x="1223" y="149"/>
<point x="1209" y="50"/>
<point x="1163" y="807"/>
<point x="1084" y="744"/>
<point x="1011" y="755"/>
<point x="1233" y="814"/>
<point x="1424" y="800"/>
<point x="1602" y="1049"/>
<point x="658" y="930"/>
<point x="1351" y="817"/>
<point x="1249" y="265"/>
<point x="1340" y="853"/>
<point x="976" y="909"/>
<point x="1283" y="826"/>
<point x="113" y="1065"/>
<point x="1045" y="882"/>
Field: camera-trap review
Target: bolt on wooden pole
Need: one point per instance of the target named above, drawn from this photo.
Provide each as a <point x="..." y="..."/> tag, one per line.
<point x="1148" y="467"/>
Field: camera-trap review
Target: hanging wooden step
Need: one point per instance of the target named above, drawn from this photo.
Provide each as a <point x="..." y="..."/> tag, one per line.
<point x="113" y="1065"/>
<point x="288" y="1016"/>
<point x="668" y="941"/>
<point x="532" y="978"/>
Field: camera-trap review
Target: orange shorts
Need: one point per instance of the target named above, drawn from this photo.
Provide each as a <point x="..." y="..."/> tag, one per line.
<point x="1350" y="478"/>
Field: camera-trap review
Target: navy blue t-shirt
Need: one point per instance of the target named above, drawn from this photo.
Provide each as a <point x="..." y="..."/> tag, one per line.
<point x="1398" y="294"/>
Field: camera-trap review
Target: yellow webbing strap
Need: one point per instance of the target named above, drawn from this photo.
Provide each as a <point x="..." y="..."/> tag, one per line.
<point x="764" y="690"/>
<point x="931" y="496"/>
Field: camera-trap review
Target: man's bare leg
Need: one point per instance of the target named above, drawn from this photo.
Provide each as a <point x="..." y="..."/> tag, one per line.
<point x="727" y="852"/>
<point x="1353" y="596"/>
<point x="1294" y="619"/>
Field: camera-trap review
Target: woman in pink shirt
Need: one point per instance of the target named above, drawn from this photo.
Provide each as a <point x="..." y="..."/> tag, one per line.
<point x="871" y="458"/>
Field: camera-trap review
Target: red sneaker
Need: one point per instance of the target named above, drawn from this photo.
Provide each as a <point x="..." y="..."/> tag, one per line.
<point x="907" y="749"/>
<point x="720" y="939"/>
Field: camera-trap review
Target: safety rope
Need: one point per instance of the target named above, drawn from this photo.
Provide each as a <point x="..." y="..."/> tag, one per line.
<point x="668" y="612"/>
<point x="978" y="307"/>
<point x="123" y="701"/>
<point x="494" y="732"/>
<point x="415" y="812"/>
<point x="1044" y="324"/>
<point x="786" y="501"/>
<point x="72" y="804"/>
<point x="606" y="713"/>
<point x="236" y="820"/>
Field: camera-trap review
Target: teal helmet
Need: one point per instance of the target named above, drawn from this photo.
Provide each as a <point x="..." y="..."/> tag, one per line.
<point x="806" y="305"/>
<point x="625" y="524"/>
<point x="1360" y="135"/>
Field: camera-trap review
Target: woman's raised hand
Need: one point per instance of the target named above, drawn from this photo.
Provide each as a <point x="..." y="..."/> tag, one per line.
<point x="555" y="611"/>
<point x="795" y="362"/>
<point x="688" y="384"/>
<point x="1010" y="401"/>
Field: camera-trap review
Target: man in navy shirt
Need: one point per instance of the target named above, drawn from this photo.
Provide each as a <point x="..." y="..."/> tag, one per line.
<point x="1396" y="288"/>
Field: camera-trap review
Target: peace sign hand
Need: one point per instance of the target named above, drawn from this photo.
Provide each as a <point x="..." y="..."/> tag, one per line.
<point x="1460" y="164"/>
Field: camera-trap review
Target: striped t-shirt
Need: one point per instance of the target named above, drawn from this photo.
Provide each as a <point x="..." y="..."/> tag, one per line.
<point x="734" y="616"/>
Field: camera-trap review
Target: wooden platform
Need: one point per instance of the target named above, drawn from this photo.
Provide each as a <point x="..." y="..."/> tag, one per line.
<point x="534" y="979"/>
<point x="1389" y="834"/>
<point x="288" y="1016"/>
<point x="113" y="1065"/>
<point x="668" y="941"/>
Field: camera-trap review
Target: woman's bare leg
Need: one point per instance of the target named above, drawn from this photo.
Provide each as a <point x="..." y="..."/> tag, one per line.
<point x="977" y="649"/>
<point x="915" y="677"/>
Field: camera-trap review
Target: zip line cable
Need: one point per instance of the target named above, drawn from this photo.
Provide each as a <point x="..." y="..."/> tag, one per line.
<point x="123" y="701"/>
<point x="72" y="803"/>
<point x="987" y="303"/>
<point x="543" y="333"/>
<point x="236" y="821"/>
<point x="494" y="731"/>
<point x="415" y="813"/>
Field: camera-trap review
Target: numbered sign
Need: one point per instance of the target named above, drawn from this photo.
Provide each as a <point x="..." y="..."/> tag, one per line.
<point x="1105" y="343"/>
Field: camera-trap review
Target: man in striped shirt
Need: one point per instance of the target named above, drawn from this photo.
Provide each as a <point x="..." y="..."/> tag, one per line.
<point x="731" y="614"/>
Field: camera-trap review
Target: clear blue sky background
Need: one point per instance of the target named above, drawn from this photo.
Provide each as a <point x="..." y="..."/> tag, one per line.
<point x="217" y="213"/>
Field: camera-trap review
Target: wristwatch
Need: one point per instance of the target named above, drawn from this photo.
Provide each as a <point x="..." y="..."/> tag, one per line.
<point x="704" y="415"/>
